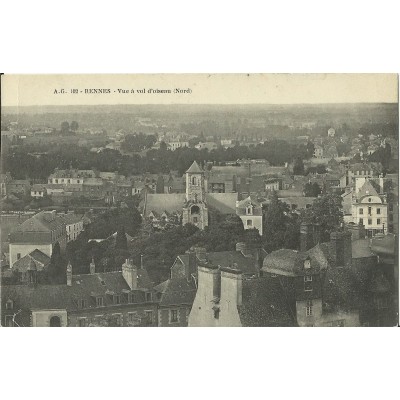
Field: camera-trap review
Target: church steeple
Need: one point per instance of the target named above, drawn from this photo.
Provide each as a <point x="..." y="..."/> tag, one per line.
<point x="195" y="183"/>
<point x="195" y="210"/>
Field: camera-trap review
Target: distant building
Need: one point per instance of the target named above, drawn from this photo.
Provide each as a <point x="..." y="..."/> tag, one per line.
<point x="177" y="145"/>
<point x="331" y="132"/>
<point x="318" y="151"/>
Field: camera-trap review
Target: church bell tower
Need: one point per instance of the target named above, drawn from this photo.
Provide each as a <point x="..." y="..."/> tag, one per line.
<point x="195" y="210"/>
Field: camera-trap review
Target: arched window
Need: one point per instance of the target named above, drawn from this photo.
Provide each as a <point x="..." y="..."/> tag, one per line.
<point x="195" y="210"/>
<point x="194" y="181"/>
<point x="55" y="321"/>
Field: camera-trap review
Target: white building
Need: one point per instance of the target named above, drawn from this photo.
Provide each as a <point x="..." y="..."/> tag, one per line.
<point x="369" y="207"/>
<point x="176" y="145"/>
<point x="250" y="213"/>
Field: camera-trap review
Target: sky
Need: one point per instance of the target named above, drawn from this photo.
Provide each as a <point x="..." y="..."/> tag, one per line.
<point x="30" y="90"/>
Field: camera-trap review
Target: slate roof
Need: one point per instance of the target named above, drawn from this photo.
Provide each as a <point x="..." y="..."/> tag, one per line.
<point x="366" y="190"/>
<point x="384" y="244"/>
<point x="176" y="291"/>
<point x="160" y="202"/>
<point x="264" y="304"/>
<point x="40" y="260"/>
<point x="194" y="169"/>
<point x="223" y="202"/>
<point x="243" y="204"/>
<point x="290" y="262"/>
<point x="84" y="287"/>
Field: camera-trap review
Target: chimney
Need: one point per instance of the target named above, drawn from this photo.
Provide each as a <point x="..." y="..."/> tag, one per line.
<point x="92" y="267"/>
<point x="231" y="287"/>
<point x="306" y="236"/>
<point x="240" y="246"/>
<point x="191" y="266"/>
<point x="342" y="248"/>
<point x="209" y="282"/>
<point x="129" y="272"/>
<point x="69" y="274"/>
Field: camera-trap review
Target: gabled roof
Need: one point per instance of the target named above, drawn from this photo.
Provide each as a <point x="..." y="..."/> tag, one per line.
<point x="176" y="291"/>
<point x="194" y="169"/>
<point x="367" y="190"/>
<point x="38" y="258"/>
<point x="44" y="221"/>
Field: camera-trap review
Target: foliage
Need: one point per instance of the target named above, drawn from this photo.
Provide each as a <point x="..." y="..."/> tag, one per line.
<point x="312" y="189"/>
<point x="326" y="211"/>
<point x="120" y="240"/>
<point x="298" y="167"/>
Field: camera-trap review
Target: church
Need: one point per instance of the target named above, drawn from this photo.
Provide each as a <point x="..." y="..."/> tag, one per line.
<point x="193" y="205"/>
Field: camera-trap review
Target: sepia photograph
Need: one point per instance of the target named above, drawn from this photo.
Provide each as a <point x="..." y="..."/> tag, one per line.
<point x="199" y="200"/>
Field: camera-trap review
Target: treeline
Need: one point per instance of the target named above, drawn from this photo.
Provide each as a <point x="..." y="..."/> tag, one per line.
<point x="23" y="165"/>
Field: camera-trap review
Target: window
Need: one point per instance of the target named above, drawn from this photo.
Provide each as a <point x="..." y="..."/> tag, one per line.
<point x="309" y="308"/>
<point x="369" y="221"/>
<point x="9" y="305"/>
<point x="369" y="199"/>
<point x="149" y="316"/>
<point x="99" y="302"/>
<point x="9" y="321"/>
<point x="361" y="221"/>
<point x="18" y="256"/>
<point x="82" y="303"/>
<point x="308" y="283"/>
<point x="81" y="322"/>
<point x="148" y="296"/>
<point x="133" y="319"/>
<point x="378" y="210"/>
<point x="378" y="221"/>
<point x="248" y="211"/>
<point x="173" y="316"/>
<point x="117" y="299"/>
<point x="361" y="211"/>
<point x="249" y="222"/>
<point x="195" y="220"/>
<point x="369" y="210"/>
<point x="216" y="313"/>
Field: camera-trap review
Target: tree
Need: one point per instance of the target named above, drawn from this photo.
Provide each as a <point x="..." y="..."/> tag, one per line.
<point x="56" y="269"/>
<point x="74" y="126"/>
<point x="312" y="189"/>
<point x="298" y="167"/>
<point x="64" y="127"/>
<point x="326" y="211"/>
<point x="120" y="241"/>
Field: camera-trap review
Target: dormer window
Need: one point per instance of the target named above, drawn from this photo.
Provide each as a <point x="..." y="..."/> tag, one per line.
<point x="307" y="264"/>
<point x="99" y="301"/>
<point x="117" y="299"/>
<point x="308" y="283"/>
<point x="82" y="303"/>
<point x="249" y="210"/>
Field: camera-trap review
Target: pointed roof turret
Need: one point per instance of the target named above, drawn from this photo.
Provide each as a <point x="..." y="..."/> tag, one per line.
<point x="194" y="169"/>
